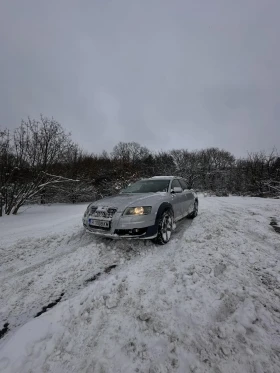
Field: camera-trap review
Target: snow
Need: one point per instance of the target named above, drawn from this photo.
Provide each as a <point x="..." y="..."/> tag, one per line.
<point x="208" y="301"/>
<point x="39" y="220"/>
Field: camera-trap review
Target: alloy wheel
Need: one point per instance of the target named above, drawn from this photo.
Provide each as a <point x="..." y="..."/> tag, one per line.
<point x="166" y="228"/>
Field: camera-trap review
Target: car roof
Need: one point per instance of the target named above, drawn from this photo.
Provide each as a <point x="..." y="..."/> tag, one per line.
<point x="166" y="177"/>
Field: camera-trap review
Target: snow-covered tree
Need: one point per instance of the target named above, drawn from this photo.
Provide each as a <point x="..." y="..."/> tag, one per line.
<point x="35" y="148"/>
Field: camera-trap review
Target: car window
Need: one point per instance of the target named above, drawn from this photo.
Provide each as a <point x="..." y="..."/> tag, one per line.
<point x="183" y="184"/>
<point x="147" y="186"/>
<point x="175" y="183"/>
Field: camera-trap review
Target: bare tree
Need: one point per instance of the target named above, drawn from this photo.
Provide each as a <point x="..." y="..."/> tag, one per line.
<point x="130" y="152"/>
<point x="40" y="162"/>
<point x="37" y="147"/>
<point x="5" y="154"/>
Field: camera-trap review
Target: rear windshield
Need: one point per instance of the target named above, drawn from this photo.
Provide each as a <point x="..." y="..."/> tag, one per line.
<point x="148" y="186"/>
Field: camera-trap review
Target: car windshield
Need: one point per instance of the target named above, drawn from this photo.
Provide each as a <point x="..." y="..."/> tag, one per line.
<point x="147" y="186"/>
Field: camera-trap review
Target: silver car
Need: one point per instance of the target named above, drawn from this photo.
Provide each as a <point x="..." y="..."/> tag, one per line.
<point x="146" y="209"/>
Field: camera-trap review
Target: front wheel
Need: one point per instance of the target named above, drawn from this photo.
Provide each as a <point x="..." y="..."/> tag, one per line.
<point x="165" y="226"/>
<point x="194" y="213"/>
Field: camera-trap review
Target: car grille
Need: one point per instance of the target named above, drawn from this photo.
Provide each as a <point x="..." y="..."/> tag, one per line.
<point x="108" y="213"/>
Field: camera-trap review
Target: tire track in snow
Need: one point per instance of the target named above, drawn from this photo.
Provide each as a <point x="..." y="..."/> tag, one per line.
<point x="109" y="253"/>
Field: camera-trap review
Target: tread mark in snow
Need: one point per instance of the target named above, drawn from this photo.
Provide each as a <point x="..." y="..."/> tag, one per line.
<point x="93" y="278"/>
<point x="106" y="270"/>
<point x="109" y="269"/>
<point x="50" y="305"/>
<point x="4" y="330"/>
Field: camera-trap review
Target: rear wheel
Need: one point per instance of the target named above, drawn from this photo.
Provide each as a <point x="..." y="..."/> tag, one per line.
<point x="194" y="213"/>
<point x="165" y="225"/>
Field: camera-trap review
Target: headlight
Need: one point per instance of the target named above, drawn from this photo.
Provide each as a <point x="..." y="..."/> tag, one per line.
<point x="142" y="210"/>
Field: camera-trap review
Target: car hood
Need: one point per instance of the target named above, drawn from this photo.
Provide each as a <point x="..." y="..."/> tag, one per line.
<point x="122" y="201"/>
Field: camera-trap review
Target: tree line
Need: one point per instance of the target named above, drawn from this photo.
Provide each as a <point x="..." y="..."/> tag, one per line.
<point x="40" y="163"/>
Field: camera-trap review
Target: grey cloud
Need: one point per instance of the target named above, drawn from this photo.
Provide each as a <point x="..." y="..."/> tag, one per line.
<point x="168" y="74"/>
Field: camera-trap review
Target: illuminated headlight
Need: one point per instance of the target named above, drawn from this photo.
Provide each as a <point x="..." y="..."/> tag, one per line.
<point x="143" y="210"/>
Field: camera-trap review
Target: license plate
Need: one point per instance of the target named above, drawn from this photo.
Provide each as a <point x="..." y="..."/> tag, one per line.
<point x="99" y="223"/>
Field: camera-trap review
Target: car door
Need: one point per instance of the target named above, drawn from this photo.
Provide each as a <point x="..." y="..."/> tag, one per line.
<point x="188" y="199"/>
<point x="177" y="200"/>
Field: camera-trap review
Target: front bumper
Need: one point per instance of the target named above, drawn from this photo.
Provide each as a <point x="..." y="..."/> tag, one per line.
<point x="145" y="236"/>
<point x="128" y="227"/>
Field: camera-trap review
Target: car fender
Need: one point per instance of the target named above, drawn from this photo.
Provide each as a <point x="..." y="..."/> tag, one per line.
<point x="163" y="207"/>
<point x="195" y="196"/>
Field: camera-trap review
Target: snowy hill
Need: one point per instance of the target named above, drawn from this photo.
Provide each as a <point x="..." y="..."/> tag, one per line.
<point x="208" y="301"/>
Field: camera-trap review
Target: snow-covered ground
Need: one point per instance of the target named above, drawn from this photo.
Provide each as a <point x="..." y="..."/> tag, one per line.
<point x="208" y="301"/>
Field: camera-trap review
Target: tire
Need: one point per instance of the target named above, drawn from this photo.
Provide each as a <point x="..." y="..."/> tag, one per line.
<point x="165" y="226"/>
<point x="194" y="213"/>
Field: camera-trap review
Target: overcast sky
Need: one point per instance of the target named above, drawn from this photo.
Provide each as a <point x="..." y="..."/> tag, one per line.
<point x="165" y="73"/>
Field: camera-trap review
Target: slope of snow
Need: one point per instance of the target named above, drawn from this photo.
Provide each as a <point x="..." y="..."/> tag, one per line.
<point x="206" y="302"/>
<point x="39" y="220"/>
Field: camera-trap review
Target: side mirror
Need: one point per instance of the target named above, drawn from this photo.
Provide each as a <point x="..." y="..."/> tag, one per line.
<point x="177" y="190"/>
